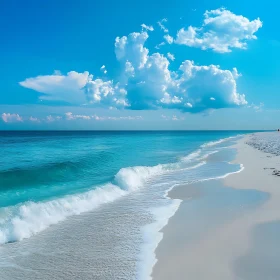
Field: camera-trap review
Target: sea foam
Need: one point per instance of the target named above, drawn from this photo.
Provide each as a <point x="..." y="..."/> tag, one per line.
<point x="152" y="235"/>
<point x="27" y="219"/>
<point x="23" y="221"/>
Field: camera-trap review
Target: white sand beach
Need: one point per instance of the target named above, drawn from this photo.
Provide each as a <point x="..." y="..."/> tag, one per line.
<point x="242" y="244"/>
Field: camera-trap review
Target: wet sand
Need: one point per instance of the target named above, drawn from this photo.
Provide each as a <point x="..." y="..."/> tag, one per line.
<point x="238" y="239"/>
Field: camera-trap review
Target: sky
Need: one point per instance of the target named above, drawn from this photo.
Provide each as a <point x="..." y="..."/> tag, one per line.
<point x="147" y="65"/>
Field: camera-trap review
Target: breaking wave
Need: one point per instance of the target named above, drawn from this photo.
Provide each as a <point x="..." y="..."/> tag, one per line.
<point x="27" y="219"/>
<point x="23" y="221"/>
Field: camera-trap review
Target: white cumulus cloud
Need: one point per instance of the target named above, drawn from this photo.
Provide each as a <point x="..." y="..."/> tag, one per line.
<point x="51" y="118"/>
<point x="153" y="85"/>
<point x="70" y="116"/>
<point x="162" y="26"/>
<point x="171" y="56"/>
<point x="121" y="118"/>
<point x="60" y="87"/>
<point x="169" y="39"/>
<point x="131" y="48"/>
<point x="105" y="94"/>
<point x="147" y="27"/>
<point x="221" y="31"/>
<point x="8" y="118"/>
<point x="103" y="69"/>
<point x="34" y="119"/>
<point x="146" y="81"/>
<point x="158" y="46"/>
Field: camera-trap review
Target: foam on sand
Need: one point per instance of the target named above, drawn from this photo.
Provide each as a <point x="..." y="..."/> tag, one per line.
<point x="152" y="235"/>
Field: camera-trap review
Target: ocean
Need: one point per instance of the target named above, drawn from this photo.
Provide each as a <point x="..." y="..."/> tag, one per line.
<point x="91" y="204"/>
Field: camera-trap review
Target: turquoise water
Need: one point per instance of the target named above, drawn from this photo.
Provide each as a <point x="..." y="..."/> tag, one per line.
<point x="44" y="165"/>
<point x="59" y="189"/>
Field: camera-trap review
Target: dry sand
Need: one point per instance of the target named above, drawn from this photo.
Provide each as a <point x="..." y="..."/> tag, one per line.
<point x="243" y="247"/>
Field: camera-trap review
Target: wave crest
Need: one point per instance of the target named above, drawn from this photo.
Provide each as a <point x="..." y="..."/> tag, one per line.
<point x="132" y="178"/>
<point x="213" y="143"/>
<point x="27" y="219"/>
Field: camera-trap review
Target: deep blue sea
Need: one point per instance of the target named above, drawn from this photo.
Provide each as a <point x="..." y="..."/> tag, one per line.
<point x="99" y="195"/>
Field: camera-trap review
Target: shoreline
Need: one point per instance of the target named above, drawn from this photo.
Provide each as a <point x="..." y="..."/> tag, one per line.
<point x="225" y="250"/>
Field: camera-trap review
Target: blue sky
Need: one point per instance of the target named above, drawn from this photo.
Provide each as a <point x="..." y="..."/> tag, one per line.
<point x="139" y="65"/>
